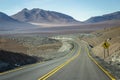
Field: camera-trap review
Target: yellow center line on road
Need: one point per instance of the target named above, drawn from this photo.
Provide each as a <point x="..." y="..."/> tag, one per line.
<point x="46" y="76"/>
<point x="22" y="67"/>
<point x="103" y="69"/>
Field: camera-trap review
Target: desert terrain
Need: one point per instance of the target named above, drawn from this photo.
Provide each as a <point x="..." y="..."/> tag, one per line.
<point x="96" y="39"/>
<point x="22" y="50"/>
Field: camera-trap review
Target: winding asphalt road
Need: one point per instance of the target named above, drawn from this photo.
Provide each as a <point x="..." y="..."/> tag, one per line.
<point x="82" y="68"/>
<point x="79" y="68"/>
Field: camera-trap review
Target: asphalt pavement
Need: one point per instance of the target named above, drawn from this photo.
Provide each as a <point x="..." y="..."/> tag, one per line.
<point x="82" y="68"/>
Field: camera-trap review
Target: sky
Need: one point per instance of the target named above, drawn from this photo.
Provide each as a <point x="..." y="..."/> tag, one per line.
<point x="78" y="9"/>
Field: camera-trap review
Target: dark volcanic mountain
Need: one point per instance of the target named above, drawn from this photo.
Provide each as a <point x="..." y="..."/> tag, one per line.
<point x="107" y="17"/>
<point x="42" y="16"/>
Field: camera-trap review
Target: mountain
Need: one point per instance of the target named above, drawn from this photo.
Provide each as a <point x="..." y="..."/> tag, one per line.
<point x="37" y="15"/>
<point x="107" y="17"/>
<point x="9" y="24"/>
<point x="6" y="18"/>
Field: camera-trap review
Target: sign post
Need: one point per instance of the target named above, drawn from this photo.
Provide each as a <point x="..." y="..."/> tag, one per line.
<point x="106" y="46"/>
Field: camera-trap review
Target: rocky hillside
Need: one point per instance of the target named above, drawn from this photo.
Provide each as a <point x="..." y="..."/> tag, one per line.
<point x="97" y="38"/>
<point x="37" y="15"/>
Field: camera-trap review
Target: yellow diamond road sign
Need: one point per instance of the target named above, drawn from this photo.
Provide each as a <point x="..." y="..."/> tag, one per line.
<point x="106" y="45"/>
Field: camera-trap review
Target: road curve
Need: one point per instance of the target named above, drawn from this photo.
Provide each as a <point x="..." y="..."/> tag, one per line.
<point x="36" y="71"/>
<point x="81" y="68"/>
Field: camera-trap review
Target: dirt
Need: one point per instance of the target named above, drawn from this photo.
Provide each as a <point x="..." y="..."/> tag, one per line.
<point x="30" y="45"/>
<point x="96" y="39"/>
<point x="12" y="45"/>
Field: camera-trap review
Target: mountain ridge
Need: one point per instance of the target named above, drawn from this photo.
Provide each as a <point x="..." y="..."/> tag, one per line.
<point x="106" y="17"/>
<point x="42" y="16"/>
<point x="6" y="18"/>
<point x="9" y="24"/>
